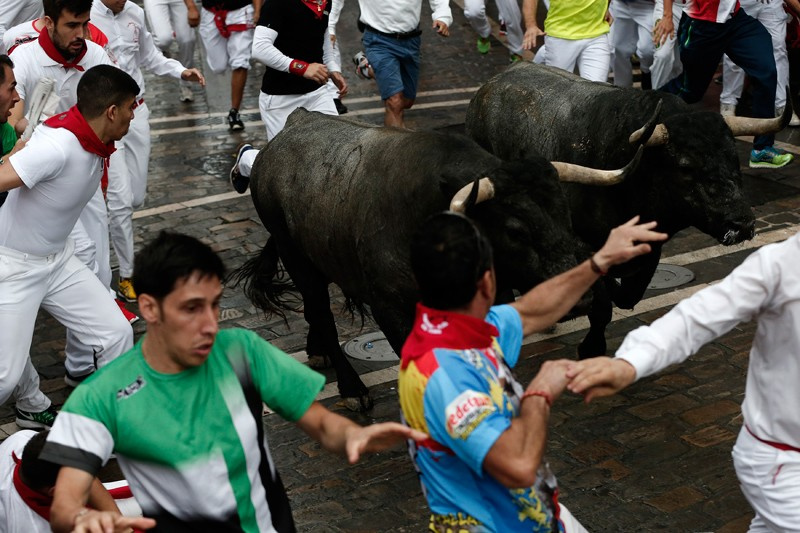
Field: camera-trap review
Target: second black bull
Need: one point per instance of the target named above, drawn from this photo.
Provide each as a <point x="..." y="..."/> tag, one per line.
<point x="341" y="200"/>
<point x="689" y="174"/>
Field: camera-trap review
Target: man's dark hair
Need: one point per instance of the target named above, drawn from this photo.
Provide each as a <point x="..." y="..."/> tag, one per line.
<point x="5" y="60"/>
<point x="448" y="256"/>
<point x="171" y="257"/>
<point x="37" y="473"/>
<point x="103" y="86"/>
<point x="54" y="8"/>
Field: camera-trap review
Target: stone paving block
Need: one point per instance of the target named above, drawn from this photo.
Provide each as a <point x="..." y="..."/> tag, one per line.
<point x="672" y="404"/>
<point x="709" y="436"/>
<point x="709" y="413"/>
<point x="594" y="451"/>
<point x="737" y="526"/>
<point x="675" y="499"/>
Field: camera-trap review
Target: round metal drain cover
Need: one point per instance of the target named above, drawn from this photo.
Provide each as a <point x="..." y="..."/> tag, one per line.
<point x="370" y="347"/>
<point x="669" y="276"/>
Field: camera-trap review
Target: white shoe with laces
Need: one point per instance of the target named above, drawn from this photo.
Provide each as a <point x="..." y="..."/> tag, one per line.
<point x="186" y="94"/>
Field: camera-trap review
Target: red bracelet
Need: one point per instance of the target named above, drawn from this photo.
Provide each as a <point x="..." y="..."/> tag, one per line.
<point x="596" y="268"/>
<point x="543" y="394"/>
<point x="298" y="67"/>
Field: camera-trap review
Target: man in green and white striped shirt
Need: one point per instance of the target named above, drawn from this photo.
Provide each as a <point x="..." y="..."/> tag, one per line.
<point x="182" y="412"/>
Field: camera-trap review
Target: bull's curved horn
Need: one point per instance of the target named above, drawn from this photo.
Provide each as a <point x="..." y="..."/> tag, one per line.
<point x="759" y="126"/>
<point x="485" y="192"/>
<point x="643" y="134"/>
<point x="659" y="137"/>
<point x="568" y="172"/>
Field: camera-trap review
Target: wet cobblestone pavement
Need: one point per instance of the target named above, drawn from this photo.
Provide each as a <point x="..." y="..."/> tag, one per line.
<point x="656" y="458"/>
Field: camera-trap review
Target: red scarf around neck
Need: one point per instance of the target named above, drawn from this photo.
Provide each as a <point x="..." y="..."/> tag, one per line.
<point x="75" y="123"/>
<point x="445" y="329"/>
<point x="317" y="6"/>
<point x="38" y="502"/>
<point x="52" y="52"/>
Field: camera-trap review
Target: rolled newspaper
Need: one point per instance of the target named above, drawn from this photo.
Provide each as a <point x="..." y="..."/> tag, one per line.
<point x="38" y="104"/>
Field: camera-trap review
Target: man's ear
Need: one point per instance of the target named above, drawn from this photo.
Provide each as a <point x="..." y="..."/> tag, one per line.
<point x="149" y="308"/>
<point x="111" y="112"/>
<point x="49" y="24"/>
<point x="486" y="284"/>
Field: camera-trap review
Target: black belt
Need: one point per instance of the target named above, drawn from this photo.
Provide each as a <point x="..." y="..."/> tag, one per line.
<point x="399" y="36"/>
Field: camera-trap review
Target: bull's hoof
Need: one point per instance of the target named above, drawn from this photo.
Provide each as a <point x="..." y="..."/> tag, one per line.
<point x="358" y="404"/>
<point x="319" y="362"/>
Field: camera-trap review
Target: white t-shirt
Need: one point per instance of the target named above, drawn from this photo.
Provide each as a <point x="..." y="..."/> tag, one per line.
<point x="15" y="515"/>
<point x="31" y="64"/>
<point x="60" y="178"/>
<point x="19" y="34"/>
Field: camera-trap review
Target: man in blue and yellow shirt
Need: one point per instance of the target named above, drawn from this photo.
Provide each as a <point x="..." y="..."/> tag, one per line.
<point x="482" y="466"/>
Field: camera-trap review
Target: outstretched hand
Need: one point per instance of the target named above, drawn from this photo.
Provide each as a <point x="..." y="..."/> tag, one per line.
<point x="192" y="74"/>
<point x="532" y="34"/>
<point x="599" y="376"/>
<point x="107" y="522"/>
<point x="626" y="242"/>
<point x="378" y="437"/>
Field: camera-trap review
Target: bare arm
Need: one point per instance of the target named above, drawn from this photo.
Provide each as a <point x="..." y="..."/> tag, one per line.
<point x="342" y="436"/>
<point x="532" y="31"/>
<point x="794" y="5"/>
<point x="545" y="304"/>
<point x="17" y="118"/>
<point x="193" y="13"/>
<point x="69" y="512"/>
<point x="9" y="179"/>
<point x="514" y="458"/>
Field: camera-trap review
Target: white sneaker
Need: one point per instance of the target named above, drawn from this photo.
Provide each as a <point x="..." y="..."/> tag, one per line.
<point x="795" y="120"/>
<point x="186" y="94"/>
<point x="727" y="110"/>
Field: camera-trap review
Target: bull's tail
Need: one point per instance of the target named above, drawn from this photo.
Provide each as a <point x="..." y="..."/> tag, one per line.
<point x="266" y="283"/>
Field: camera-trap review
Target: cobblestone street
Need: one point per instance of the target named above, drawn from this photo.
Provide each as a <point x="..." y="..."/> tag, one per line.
<point x="655" y="458"/>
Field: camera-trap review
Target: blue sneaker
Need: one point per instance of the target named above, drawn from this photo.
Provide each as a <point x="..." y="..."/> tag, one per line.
<point x="769" y="157"/>
<point x="239" y="181"/>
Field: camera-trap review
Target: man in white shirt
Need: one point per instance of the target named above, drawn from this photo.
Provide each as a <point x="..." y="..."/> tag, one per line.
<point x="765" y="288"/>
<point x="133" y="47"/>
<point x="63" y="54"/>
<point x="13" y="12"/>
<point x="169" y="21"/>
<point x="392" y="44"/>
<point x="51" y="180"/>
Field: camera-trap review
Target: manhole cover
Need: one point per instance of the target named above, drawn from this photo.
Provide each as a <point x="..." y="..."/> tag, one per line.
<point x="370" y="347"/>
<point x="669" y="276"/>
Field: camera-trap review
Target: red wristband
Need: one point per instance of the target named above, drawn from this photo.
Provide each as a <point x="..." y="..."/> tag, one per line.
<point x="298" y="67"/>
<point x="596" y="268"/>
<point x="543" y="394"/>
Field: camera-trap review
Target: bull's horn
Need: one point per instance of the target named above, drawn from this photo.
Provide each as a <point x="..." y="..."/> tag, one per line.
<point x="659" y="137"/>
<point x="643" y="134"/>
<point x="485" y="192"/>
<point x="569" y="172"/>
<point x="758" y="126"/>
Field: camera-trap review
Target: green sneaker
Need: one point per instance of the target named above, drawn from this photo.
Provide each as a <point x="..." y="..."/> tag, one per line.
<point x="769" y="157"/>
<point x="515" y="58"/>
<point x="41" y="420"/>
<point x="484" y="45"/>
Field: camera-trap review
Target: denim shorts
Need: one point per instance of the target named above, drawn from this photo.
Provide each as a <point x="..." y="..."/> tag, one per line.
<point x="395" y="63"/>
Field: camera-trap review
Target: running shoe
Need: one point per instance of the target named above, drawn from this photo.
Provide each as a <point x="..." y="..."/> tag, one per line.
<point x="125" y="290"/>
<point x="186" y="94"/>
<point x="74" y="381"/>
<point x="239" y="181"/>
<point x="362" y="65"/>
<point x="132" y="318"/>
<point x="41" y="420"/>
<point x="769" y="157"/>
<point x="484" y="45"/>
<point x="515" y="58"/>
<point x="235" y="120"/>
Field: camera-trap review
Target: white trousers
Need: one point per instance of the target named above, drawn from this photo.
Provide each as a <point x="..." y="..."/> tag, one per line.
<point x="666" y="57"/>
<point x="475" y="11"/>
<point x="773" y="17"/>
<point x="169" y="20"/>
<point x="571" y="524"/>
<point x="233" y="52"/>
<point x="631" y="32"/>
<point x="127" y="186"/>
<point x="592" y="56"/>
<point x="68" y="290"/>
<point x="770" y="480"/>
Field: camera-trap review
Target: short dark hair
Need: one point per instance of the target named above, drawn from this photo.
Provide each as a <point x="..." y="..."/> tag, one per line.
<point x="5" y="60"/>
<point x="54" y="8"/>
<point x="449" y="255"/>
<point x="103" y="86"/>
<point x="37" y="473"/>
<point x="171" y="257"/>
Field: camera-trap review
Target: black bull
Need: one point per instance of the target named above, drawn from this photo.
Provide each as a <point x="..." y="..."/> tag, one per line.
<point x="342" y="199"/>
<point x="689" y="174"/>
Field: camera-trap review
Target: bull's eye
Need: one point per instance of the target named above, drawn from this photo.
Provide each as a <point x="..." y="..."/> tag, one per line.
<point x="516" y="230"/>
<point x="684" y="162"/>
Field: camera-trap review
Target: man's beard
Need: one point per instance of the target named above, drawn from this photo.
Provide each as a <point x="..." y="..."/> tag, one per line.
<point x="66" y="53"/>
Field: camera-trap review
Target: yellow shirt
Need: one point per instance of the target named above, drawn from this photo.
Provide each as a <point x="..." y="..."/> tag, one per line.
<point x="576" y="19"/>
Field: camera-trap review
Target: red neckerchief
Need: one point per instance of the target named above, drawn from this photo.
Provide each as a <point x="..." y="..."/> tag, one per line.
<point x="317" y="6"/>
<point x="75" y="123"/>
<point x="225" y="29"/>
<point x="445" y="329"/>
<point x="38" y="502"/>
<point x="51" y="51"/>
